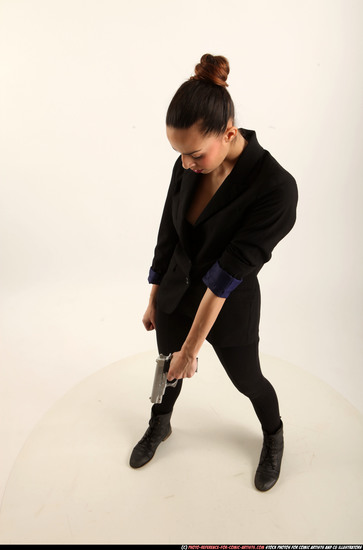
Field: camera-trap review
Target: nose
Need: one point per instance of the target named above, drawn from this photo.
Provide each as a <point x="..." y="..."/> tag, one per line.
<point x="187" y="162"/>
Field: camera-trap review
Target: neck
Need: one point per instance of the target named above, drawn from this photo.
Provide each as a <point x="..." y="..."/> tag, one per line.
<point x="236" y="148"/>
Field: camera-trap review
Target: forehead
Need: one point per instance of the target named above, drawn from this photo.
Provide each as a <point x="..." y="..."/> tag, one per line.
<point x="188" y="140"/>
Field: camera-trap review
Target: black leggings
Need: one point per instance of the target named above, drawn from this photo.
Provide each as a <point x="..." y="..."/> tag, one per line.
<point x="241" y="364"/>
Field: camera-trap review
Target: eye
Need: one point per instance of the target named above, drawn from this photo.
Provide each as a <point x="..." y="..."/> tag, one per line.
<point x="196" y="158"/>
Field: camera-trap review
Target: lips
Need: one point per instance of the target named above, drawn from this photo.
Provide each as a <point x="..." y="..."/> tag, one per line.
<point x="198" y="171"/>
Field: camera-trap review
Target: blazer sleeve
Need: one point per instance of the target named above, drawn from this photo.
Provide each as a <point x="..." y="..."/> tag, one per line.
<point x="269" y="219"/>
<point x="167" y="235"/>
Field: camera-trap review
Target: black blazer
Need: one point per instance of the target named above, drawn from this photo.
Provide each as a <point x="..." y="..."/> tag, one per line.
<point x="253" y="209"/>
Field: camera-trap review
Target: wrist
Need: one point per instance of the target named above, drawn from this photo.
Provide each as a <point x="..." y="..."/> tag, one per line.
<point x="153" y="294"/>
<point x="189" y="351"/>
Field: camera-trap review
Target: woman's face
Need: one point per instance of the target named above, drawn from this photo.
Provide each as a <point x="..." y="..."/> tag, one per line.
<point x="199" y="153"/>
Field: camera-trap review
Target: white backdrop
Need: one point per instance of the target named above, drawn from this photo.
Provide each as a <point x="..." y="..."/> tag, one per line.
<point x="85" y="165"/>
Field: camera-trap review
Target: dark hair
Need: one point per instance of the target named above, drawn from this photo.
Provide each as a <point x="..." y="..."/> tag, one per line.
<point x="203" y="98"/>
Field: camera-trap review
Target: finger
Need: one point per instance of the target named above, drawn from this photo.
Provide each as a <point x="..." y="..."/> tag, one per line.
<point x="171" y="376"/>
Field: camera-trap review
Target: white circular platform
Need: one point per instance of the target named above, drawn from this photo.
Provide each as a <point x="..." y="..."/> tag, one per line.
<point x="71" y="483"/>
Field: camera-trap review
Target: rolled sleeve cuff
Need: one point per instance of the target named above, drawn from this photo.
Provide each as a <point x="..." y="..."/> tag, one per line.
<point x="154" y="278"/>
<point x="220" y="282"/>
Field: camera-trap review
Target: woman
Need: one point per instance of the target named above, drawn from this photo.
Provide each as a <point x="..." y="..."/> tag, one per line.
<point x="229" y="203"/>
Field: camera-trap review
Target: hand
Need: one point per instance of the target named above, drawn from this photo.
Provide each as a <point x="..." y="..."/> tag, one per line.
<point x="182" y="366"/>
<point x="149" y="317"/>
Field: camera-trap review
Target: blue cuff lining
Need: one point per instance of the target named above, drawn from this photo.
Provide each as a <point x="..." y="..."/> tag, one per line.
<point x="220" y="282"/>
<point x="154" y="278"/>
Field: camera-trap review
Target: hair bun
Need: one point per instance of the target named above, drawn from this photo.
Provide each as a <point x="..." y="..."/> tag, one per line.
<point x="212" y="68"/>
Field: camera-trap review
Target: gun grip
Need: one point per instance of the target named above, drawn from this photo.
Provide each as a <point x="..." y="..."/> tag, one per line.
<point x="167" y="362"/>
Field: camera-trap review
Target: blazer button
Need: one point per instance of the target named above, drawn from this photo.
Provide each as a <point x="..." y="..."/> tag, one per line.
<point x="187" y="281"/>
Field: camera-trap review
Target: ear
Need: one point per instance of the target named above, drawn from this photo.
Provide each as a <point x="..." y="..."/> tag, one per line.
<point x="230" y="133"/>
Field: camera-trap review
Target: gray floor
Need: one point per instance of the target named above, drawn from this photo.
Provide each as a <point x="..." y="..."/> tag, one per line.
<point x="71" y="482"/>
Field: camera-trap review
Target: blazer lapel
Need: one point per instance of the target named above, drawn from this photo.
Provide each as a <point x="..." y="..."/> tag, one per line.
<point x="237" y="179"/>
<point x="187" y="190"/>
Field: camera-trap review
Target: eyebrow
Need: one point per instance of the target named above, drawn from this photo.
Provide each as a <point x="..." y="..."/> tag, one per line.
<point x="192" y="153"/>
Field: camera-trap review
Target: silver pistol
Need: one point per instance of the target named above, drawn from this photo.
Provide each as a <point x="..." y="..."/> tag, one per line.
<point x="160" y="379"/>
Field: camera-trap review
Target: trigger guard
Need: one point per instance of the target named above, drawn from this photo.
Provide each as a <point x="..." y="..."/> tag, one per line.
<point x="171" y="383"/>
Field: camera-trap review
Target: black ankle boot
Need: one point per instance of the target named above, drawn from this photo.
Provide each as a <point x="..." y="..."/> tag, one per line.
<point x="159" y="429"/>
<point x="268" y="470"/>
